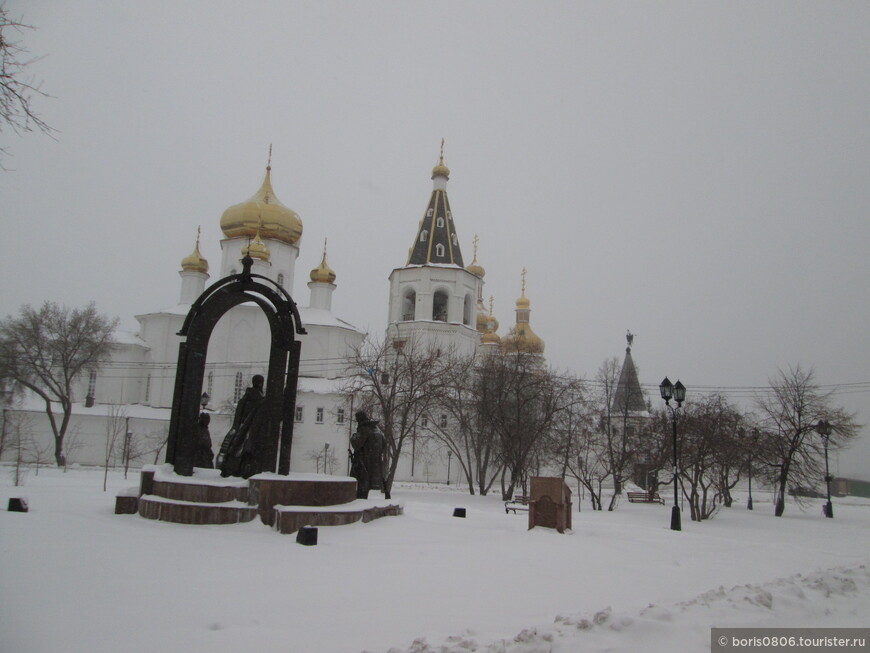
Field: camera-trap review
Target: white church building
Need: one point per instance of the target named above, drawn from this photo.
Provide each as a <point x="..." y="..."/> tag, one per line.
<point x="433" y="298"/>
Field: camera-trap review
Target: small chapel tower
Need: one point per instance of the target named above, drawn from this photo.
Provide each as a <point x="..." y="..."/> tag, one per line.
<point x="521" y="338"/>
<point x="433" y="298"/>
<point x="322" y="284"/>
<point x="194" y="274"/>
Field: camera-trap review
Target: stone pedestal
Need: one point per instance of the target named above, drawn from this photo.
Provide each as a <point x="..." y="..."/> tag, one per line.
<point x="550" y="503"/>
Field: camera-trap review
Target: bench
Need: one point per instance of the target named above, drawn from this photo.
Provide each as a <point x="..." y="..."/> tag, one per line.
<point x="519" y="502"/>
<point x="644" y="497"/>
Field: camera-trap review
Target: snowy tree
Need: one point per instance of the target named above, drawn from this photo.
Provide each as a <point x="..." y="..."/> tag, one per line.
<point x="708" y="429"/>
<point x="46" y="350"/>
<point x="470" y="438"/>
<point x="789" y="413"/>
<point x="397" y="382"/>
<point x="521" y="399"/>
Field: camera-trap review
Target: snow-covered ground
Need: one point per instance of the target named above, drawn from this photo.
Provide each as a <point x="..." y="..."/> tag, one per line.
<point x="74" y="577"/>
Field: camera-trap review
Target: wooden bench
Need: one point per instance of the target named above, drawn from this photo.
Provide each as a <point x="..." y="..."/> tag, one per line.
<point x="644" y="497"/>
<point x="520" y="502"/>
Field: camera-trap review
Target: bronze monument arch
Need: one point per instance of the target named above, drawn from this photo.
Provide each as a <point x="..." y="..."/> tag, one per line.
<point x="275" y="439"/>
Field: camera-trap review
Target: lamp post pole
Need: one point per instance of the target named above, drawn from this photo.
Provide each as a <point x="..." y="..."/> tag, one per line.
<point x="751" y="442"/>
<point x="824" y="429"/>
<point x="677" y="392"/>
<point x="449" y="457"/>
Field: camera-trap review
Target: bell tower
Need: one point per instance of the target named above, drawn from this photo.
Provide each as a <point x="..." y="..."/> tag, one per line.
<point x="433" y="297"/>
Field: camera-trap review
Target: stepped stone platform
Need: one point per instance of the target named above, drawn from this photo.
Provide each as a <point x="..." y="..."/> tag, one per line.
<point x="285" y="503"/>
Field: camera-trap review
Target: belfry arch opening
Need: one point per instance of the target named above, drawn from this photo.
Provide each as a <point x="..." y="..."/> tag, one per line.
<point x="409" y="305"/>
<point x="439" y="306"/>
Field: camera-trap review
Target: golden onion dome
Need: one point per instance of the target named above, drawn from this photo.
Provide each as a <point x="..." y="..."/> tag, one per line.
<point x="523" y="339"/>
<point x="323" y="273"/>
<point x="195" y="261"/>
<point x="476" y="269"/>
<point x="441" y="170"/>
<point x="257" y="249"/>
<point x="263" y="207"/>
<point x="490" y="338"/>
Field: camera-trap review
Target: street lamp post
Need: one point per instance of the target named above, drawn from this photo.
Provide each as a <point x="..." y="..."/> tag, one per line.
<point x="752" y="440"/>
<point x="449" y="456"/>
<point x="824" y="429"/>
<point x="677" y="392"/>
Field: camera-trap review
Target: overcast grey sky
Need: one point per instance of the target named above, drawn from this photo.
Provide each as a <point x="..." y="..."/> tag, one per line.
<point x="696" y="172"/>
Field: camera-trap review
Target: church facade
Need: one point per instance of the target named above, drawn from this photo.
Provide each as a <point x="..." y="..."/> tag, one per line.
<point x="434" y="298"/>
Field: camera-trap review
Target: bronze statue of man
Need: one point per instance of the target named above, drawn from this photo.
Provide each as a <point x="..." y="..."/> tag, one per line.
<point x="238" y="450"/>
<point x="367" y="464"/>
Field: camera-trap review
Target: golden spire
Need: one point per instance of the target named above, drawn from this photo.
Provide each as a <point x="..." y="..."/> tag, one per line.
<point x="475" y="268"/>
<point x="323" y="273"/>
<point x="195" y="262"/>
<point x="490" y="337"/>
<point x="441" y="170"/>
<point x="523" y="302"/>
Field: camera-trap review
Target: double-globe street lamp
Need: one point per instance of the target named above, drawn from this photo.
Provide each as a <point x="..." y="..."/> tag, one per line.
<point x="824" y="429"/>
<point x="677" y="392"/>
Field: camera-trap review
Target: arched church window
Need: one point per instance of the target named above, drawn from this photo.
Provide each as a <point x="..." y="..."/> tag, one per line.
<point x="238" y="387"/>
<point x="467" y="310"/>
<point x="439" y="222"/>
<point x="449" y="215"/>
<point x="455" y="239"/>
<point x="429" y="213"/>
<point x="439" y="250"/>
<point x="92" y="384"/>
<point x="423" y="236"/>
<point x="281" y="279"/>
<point x="439" y="306"/>
<point x="409" y="305"/>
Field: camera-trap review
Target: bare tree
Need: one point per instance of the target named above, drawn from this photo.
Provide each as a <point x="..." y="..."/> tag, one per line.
<point x="19" y="438"/>
<point x="584" y="454"/>
<point x="16" y="87"/>
<point x="45" y="351"/>
<point x="399" y="381"/>
<point x="619" y="412"/>
<point x="520" y="398"/>
<point x="790" y="412"/>
<point x="708" y="451"/>
<point x="470" y="438"/>
<point x="155" y="442"/>
<point x="116" y="429"/>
